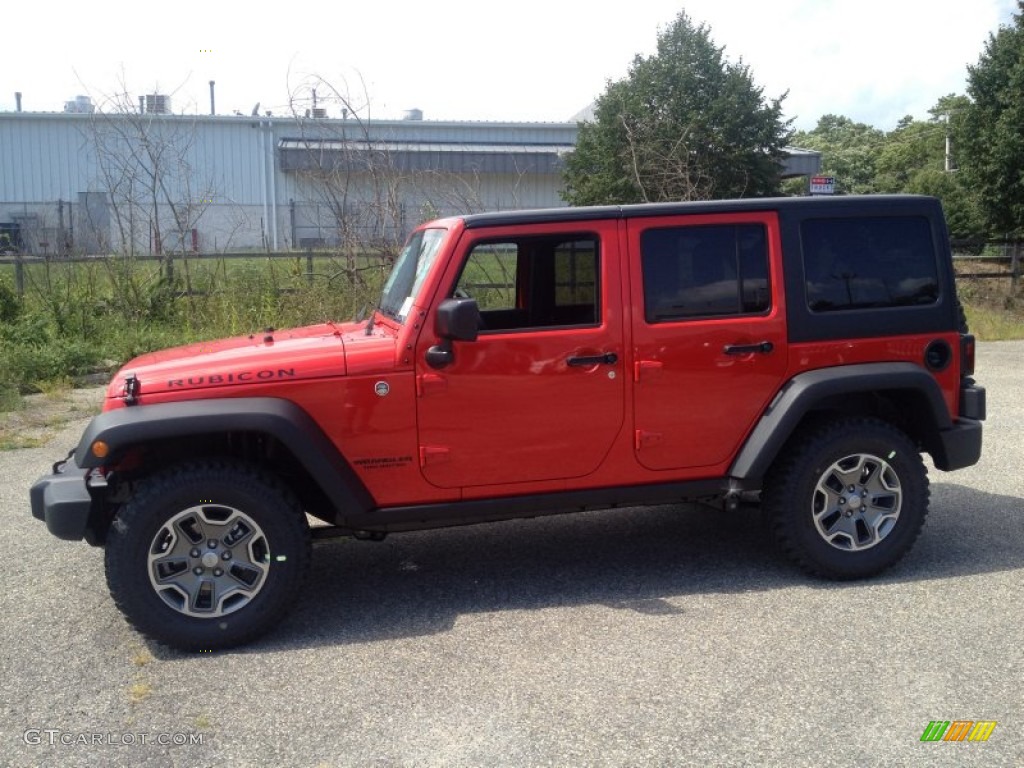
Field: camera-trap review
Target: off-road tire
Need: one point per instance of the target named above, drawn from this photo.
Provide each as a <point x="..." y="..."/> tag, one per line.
<point x="797" y="486"/>
<point x="275" y="554"/>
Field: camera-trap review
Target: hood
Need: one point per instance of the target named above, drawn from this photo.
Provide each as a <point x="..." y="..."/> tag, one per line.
<point x="312" y="352"/>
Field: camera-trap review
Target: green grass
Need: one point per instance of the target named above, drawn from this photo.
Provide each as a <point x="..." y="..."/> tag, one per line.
<point x="994" y="307"/>
<point x="14" y="442"/>
<point x="76" y="319"/>
<point x="988" y="324"/>
<point x="10" y="397"/>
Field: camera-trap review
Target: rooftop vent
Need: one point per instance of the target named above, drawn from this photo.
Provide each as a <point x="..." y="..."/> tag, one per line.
<point x="413" y="114"/>
<point x="82" y="105"/>
<point x="158" y="104"/>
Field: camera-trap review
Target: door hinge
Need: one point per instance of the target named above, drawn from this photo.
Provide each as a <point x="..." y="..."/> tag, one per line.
<point x="430" y="382"/>
<point x="644" y="438"/>
<point x="648" y="368"/>
<point x="433" y="454"/>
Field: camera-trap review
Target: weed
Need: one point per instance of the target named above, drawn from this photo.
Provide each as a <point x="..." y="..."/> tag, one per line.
<point x="988" y="324"/>
<point x="11" y="441"/>
<point x="139" y="691"/>
<point x="10" y="397"/>
<point x="77" y="319"/>
<point x="57" y="388"/>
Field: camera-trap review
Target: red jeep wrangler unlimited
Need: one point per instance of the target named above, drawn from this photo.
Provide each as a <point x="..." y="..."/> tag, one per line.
<point x="805" y="350"/>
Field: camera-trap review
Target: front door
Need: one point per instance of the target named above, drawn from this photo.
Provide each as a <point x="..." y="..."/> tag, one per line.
<point x="539" y="396"/>
<point x="709" y="335"/>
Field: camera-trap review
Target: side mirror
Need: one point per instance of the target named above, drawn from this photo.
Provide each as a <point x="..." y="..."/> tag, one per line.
<point x="456" y="320"/>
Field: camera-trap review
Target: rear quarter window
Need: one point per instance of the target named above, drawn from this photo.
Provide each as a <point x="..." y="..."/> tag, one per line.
<point x="859" y="263"/>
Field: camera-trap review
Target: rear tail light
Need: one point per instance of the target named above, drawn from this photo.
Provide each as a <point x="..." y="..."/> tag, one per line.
<point x="966" y="355"/>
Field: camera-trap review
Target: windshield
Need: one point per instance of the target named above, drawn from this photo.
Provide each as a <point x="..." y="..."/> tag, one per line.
<point x="410" y="270"/>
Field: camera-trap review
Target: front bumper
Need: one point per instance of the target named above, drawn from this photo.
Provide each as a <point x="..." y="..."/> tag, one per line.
<point x="63" y="501"/>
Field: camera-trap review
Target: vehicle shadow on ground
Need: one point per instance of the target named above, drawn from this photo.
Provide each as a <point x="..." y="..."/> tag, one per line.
<point x="637" y="559"/>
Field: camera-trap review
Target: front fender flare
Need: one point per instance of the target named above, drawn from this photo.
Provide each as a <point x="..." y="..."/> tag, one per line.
<point x="284" y="420"/>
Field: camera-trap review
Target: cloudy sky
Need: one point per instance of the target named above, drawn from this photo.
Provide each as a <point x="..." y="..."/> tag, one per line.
<point x="528" y="60"/>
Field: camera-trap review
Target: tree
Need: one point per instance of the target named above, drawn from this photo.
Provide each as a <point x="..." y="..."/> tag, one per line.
<point x="356" y="190"/>
<point x="920" y="157"/>
<point x="348" y="186"/>
<point x="993" y="137"/>
<point x="685" y="124"/>
<point x="145" y="165"/>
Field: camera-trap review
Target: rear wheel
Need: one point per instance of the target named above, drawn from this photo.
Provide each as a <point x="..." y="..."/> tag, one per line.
<point x="207" y="555"/>
<point x="848" y="498"/>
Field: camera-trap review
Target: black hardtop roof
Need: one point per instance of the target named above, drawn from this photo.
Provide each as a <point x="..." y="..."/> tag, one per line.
<point x="833" y="206"/>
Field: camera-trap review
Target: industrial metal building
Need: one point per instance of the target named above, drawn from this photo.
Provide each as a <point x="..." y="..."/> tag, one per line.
<point x="87" y="182"/>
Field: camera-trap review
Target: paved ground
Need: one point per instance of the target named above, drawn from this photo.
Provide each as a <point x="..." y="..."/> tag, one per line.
<point x="667" y="636"/>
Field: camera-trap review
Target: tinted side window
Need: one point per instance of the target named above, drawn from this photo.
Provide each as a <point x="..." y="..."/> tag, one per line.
<point x="534" y="282"/>
<point x="854" y="263"/>
<point x="703" y="271"/>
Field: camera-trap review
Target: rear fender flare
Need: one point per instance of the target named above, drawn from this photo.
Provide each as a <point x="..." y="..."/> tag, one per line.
<point x="805" y="391"/>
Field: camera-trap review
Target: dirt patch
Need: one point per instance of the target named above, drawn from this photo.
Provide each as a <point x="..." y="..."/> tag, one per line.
<point x="39" y="417"/>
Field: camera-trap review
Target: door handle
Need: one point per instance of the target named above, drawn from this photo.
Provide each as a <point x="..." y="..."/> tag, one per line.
<point x="763" y="348"/>
<point x="608" y="358"/>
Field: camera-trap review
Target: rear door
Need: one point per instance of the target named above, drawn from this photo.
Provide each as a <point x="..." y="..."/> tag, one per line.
<point x="709" y="334"/>
<point x="540" y="394"/>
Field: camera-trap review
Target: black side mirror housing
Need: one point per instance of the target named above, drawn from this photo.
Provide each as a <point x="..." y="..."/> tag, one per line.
<point x="458" y="319"/>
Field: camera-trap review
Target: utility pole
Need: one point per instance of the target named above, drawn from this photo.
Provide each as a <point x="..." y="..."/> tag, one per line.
<point x="949" y="144"/>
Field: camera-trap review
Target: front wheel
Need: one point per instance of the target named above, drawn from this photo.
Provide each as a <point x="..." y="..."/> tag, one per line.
<point x="848" y="498"/>
<point x="208" y="555"/>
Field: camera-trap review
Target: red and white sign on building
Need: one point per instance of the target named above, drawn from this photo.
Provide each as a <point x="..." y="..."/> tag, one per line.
<point x="823" y="185"/>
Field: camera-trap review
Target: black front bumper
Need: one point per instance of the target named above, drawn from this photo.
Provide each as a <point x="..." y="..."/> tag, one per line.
<point x="63" y="501"/>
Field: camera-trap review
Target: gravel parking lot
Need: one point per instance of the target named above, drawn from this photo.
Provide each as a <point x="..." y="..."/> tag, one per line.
<point x="653" y="636"/>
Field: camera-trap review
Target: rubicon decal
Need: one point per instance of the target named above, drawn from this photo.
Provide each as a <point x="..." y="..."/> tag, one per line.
<point x="240" y="377"/>
<point x="958" y="730"/>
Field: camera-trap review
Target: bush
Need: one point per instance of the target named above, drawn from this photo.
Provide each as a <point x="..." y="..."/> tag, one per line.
<point x="81" y="318"/>
<point x="10" y="303"/>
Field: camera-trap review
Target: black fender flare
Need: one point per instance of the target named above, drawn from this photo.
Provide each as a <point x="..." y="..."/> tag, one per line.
<point x="287" y="422"/>
<point x="805" y="391"/>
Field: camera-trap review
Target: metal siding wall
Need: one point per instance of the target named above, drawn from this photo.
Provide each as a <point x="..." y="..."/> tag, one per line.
<point x="47" y="157"/>
<point x="50" y="157"/>
<point x="43" y="158"/>
<point x="229" y="152"/>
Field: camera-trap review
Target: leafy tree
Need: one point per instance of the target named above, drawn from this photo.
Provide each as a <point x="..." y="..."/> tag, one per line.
<point x="914" y="146"/>
<point x="685" y="124"/>
<point x="849" y="151"/>
<point x="993" y="131"/>
<point x="913" y="158"/>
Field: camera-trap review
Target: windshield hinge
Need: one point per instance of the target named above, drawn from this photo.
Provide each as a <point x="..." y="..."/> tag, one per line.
<point x="132" y="387"/>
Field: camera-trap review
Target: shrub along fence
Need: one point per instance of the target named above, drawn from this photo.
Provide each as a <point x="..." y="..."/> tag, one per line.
<point x="66" y="317"/>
